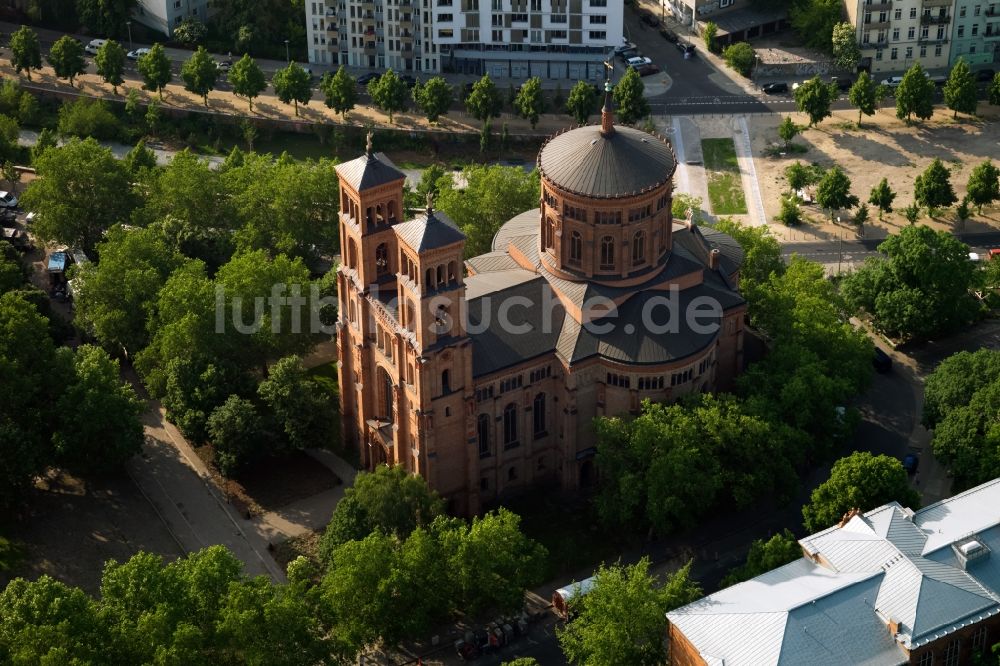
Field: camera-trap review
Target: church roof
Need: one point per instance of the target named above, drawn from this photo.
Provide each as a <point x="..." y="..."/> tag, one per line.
<point x="620" y="164"/>
<point x="368" y="171"/>
<point x="429" y="230"/>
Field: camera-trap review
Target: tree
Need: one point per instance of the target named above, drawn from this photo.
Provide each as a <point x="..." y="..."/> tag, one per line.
<point x="800" y="175"/>
<point x="389" y="500"/>
<point x="790" y="213"/>
<point x="764" y="556"/>
<point x="863" y="95"/>
<point x="844" y="41"/>
<point x="247" y="79"/>
<point x="45" y="621"/>
<point x="761" y="253"/>
<point x="882" y="197"/>
<point x="302" y="409"/>
<point x="994" y="92"/>
<point x="340" y="91"/>
<point x="81" y="191"/>
<point x="105" y="17"/>
<point x="933" y="187"/>
<point x="33" y="374"/>
<point x="630" y="99"/>
<point x="388" y="93"/>
<point x="984" y="185"/>
<point x="960" y="93"/>
<point x="47" y="138"/>
<point x="9" y="134"/>
<point x="861" y="216"/>
<point x="492" y="195"/>
<point x="97" y="415"/>
<point x="292" y="84"/>
<point x="110" y="61"/>
<point x="859" y="481"/>
<point x="740" y="57"/>
<point x="66" y="58"/>
<point x="491" y="562"/>
<point x="814" y="98"/>
<point x="788" y="130"/>
<point x="963" y="211"/>
<point x="834" y="191"/>
<point x="912" y="213"/>
<point x="200" y="74"/>
<point x="190" y="31"/>
<point x="918" y="286"/>
<point x="25" y="52"/>
<point x="582" y="102"/>
<point x="117" y="296"/>
<point x="484" y="101"/>
<point x="235" y="429"/>
<point x="622" y="620"/>
<point x="434" y="98"/>
<point x="955" y="381"/>
<point x="87" y="117"/>
<point x="154" y="68"/>
<point x="915" y="94"/>
<point x="530" y="103"/>
<point x="708" y="34"/>
<point x="815" y="22"/>
<point x="966" y="440"/>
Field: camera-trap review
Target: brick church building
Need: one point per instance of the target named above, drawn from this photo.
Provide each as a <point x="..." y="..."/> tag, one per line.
<point x="484" y="375"/>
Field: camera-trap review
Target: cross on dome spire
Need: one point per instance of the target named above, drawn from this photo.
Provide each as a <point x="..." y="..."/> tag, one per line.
<point x="607" y="113"/>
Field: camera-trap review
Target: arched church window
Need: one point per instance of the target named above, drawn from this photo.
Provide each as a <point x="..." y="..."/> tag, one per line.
<point x="639" y="248"/>
<point x="379" y="219"/>
<point x="382" y="259"/>
<point x="352" y="255"/>
<point x="575" y="247"/>
<point x="607" y="253"/>
<point x="391" y="208"/>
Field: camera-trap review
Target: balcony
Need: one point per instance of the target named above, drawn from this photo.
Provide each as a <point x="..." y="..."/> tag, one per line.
<point x="877" y="7"/>
<point x="406" y="21"/>
<point x="938" y="3"/>
<point x="877" y="25"/>
<point x="934" y="20"/>
<point x="992" y="34"/>
<point x="992" y="11"/>
<point x="406" y="48"/>
<point x="932" y="40"/>
<point x="368" y="6"/>
<point x="406" y="37"/>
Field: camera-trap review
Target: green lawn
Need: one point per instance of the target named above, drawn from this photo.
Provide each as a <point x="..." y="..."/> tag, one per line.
<point x="725" y="189"/>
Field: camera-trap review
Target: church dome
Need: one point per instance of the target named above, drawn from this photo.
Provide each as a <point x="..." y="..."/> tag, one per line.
<point x="591" y="163"/>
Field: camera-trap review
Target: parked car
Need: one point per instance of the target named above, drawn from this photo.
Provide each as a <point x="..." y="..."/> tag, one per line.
<point x="365" y="79"/>
<point x="995" y="253"/>
<point x="646" y="70"/>
<point x="638" y="61"/>
<point x="408" y="80"/>
<point x="627" y="54"/>
<point x="624" y="47"/>
<point x="669" y="35"/>
<point x="136" y="54"/>
<point x="985" y="75"/>
<point x="224" y="65"/>
<point x="775" y="87"/>
<point x="939" y="81"/>
<point x="911" y="462"/>
<point x="649" y="18"/>
<point x="94" y="46"/>
<point x="685" y="48"/>
<point x="893" y="81"/>
<point x="7" y="200"/>
<point x="881" y="361"/>
<point x="843" y="83"/>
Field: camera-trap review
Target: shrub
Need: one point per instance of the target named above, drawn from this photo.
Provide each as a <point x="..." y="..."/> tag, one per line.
<point x="89" y="118"/>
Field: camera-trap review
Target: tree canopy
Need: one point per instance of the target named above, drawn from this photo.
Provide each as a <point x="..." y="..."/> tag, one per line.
<point x="622" y="620"/>
<point x="918" y="286"/>
<point x="484" y="100"/>
<point x="582" y="102"/>
<point x="764" y="556"/>
<point x="984" y="185"/>
<point x="247" y="79"/>
<point x="933" y="187"/>
<point x="110" y="62"/>
<point x="66" y="58"/>
<point x="25" y="51"/>
<point x="864" y="95"/>
<point x="200" y="74"/>
<point x="844" y="44"/>
<point x="434" y="97"/>
<point x="859" y="481"/>
<point x="340" y="91"/>
<point x="740" y="57"/>
<point x="960" y="92"/>
<point x="293" y="84"/>
<point x="834" y="191"/>
<point x="154" y="67"/>
<point x="389" y="93"/>
<point x="630" y="100"/>
<point x="530" y="102"/>
<point x="915" y="94"/>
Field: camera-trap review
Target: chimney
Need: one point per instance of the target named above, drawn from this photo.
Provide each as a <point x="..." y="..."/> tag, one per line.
<point x="893" y="626"/>
<point x="713" y="259"/>
<point x="847" y="516"/>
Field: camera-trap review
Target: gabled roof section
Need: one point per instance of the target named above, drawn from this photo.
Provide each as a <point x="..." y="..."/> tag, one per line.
<point x="368" y="171"/>
<point x="430" y="230"/>
<point x="950" y="519"/>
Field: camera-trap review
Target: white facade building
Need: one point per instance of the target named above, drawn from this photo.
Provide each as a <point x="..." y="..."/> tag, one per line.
<point x="164" y="15"/>
<point x="896" y="34"/>
<point x="555" y="39"/>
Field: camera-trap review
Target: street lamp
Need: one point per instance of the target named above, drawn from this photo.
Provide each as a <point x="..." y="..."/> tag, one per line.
<point x="128" y="24"/>
<point x="287" y="57"/>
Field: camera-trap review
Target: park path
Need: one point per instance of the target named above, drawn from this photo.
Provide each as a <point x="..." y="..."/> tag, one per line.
<point x="748" y="173"/>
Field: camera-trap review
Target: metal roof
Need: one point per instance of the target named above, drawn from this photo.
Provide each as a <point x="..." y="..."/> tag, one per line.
<point x="429" y="230"/>
<point x="491" y="262"/>
<point x="890" y="563"/>
<point x="621" y="164"/>
<point x="368" y="171"/>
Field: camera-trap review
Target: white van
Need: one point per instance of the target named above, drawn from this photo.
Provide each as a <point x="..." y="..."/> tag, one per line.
<point x="94" y="46"/>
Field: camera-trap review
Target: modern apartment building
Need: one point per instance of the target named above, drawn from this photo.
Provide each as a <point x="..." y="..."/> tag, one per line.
<point x="557" y="39"/>
<point x="164" y="15"/>
<point x="976" y="33"/>
<point x="895" y="34"/>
